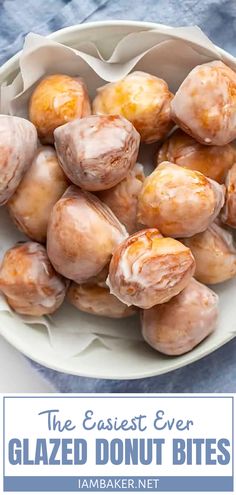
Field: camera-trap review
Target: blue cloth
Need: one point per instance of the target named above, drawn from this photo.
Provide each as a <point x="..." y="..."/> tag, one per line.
<point x="214" y="374"/>
<point x="217" y="18"/>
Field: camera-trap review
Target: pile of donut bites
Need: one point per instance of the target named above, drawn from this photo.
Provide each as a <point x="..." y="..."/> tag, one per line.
<point x="101" y="233"/>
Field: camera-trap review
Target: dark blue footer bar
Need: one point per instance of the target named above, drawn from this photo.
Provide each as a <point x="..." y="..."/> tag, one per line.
<point x="116" y="483"/>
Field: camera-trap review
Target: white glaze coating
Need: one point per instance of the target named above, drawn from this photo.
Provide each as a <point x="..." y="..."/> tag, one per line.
<point x="98" y="151"/>
<point x="179" y="325"/>
<point x="57" y="99"/>
<point x="29" y="281"/>
<point x="147" y="269"/>
<point x="123" y="198"/>
<point x="141" y="98"/>
<point x="215" y="254"/>
<point x="204" y="105"/>
<point x="18" y="143"/>
<point x="82" y="235"/>
<point x="228" y="215"/>
<point x="178" y="201"/>
<point x="41" y="187"/>
<point x="184" y="150"/>
<point x="97" y="300"/>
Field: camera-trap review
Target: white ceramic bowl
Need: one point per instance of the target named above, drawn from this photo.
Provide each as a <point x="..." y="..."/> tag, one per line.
<point x="134" y="361"/>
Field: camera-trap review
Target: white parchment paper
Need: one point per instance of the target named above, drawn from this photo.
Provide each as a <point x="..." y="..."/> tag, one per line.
<point x="169" y="53"/>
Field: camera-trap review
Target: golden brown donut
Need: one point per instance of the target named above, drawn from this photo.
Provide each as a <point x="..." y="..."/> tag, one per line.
<point x="97" y="300"/>
<point x="142" y="99"/>
<point x="98" y="151"/>
<point x="147" y="269"/>
<point x="82" y="235"/>
<point x="18" y="143"/>
<point x="215" y="254"/>
<point x="29" y="282"/>
<point x="184" y="150"/>
<point x="178" y="201"/>
<point x="204" y="105"/>
<point x="57" y="99"/>
<point x="228" y="215"/>
<point x="41" y="187"/>
<point x="180" y="324"/>
<point x="123" y="198"/>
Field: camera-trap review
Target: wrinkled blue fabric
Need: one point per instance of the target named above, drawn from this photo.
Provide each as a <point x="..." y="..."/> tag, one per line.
<point x="217" y="18"/>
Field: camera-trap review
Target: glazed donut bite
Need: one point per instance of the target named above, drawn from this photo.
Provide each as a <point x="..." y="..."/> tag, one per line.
<point x="184" y="150"/>
<point x="204" y="105"/>
<point x="18" y="143"/>
<point x="56" y="100"/>
<point x="97" y="152"/>
<point x="228" y="215"/>
<point x="98" y="301"/>
<point x="82" y="235"/>
<point x="180" y="324"/>
<point x="29" y="282"/>
<point x="178" y="201"/>
<point x="41" y="187"/>
<point x="142" y="99"/>
<point x="215" y="254"/>
<point x="147" y="269"/>
<point x="123" y="198"/>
